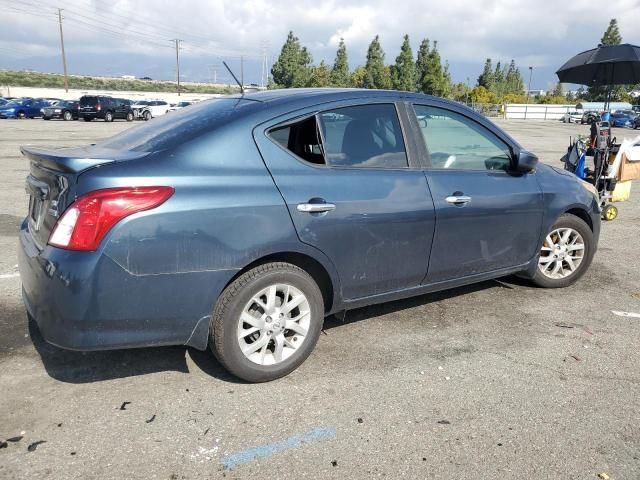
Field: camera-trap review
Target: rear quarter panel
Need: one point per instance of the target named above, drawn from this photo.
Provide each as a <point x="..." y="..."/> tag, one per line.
<point x="225" y="214"/>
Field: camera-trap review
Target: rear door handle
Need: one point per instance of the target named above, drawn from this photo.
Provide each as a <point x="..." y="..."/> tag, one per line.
<point x="315" y="207"/>
<point x="458" y="199"/>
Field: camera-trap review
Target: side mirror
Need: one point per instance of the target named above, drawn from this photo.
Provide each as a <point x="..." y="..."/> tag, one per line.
<point x="526" y="162"/>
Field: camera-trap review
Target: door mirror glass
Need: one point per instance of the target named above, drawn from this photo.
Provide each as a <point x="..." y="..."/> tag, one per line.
<point x="526" y="161"/>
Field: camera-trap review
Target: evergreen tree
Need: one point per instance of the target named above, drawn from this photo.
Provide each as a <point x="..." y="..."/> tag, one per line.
<point x="292" y="68"/>
<point x="612" y="34"/>
<point x="377" y="75"/>
<point x="486" y="77"/>
<point x="514" y="84"/>
<point x="340" y="72"/>
<point x="435" y="80"/>
<point x="499" y="80"/>
<point x="422" y="64"/>
<point x="404" y="71"/>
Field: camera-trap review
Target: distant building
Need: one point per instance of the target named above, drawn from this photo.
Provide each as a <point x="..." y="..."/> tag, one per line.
<point x="533" y="93"/>
<point x="128" y="77"/>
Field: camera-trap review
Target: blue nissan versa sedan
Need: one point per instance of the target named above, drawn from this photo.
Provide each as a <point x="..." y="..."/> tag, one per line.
<point x="239" y="224"/>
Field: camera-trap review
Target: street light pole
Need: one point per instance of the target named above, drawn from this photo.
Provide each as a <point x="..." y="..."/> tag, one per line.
<point x="529" y="89"/>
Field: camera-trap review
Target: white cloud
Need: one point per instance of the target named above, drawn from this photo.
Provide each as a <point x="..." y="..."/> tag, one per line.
<point x="543" y="34"/>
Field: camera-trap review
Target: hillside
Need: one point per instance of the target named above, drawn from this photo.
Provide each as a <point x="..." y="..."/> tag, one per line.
<point x="48" y="80"/>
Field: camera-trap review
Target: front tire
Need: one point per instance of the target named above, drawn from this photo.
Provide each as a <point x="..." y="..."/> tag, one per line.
<point x="129" y="117"/>
<point x="108" y="117"/>
<point x="147" y="115"/>
<point x="267" y="322"/>
<point x="566" y="253"/>
<point x="67" y="116"/>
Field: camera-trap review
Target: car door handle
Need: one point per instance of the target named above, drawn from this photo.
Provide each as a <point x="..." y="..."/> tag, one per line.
<point x="315" y="207"/>
<point x="458" y="199"/>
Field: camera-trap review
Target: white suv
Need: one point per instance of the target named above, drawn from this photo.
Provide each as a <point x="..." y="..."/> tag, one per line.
<point x="147" y="109"/>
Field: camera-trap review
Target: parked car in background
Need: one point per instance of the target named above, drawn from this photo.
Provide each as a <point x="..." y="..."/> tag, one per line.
<point x="105" y="108"/>
<point x="179" y="105"/>
<point x="590" y="117"/>
<point x="622" y="118"/>
<point x="3" y="101"/>
<point x="138" y="107"/>
<point x="240" y="224"/>
<point x="65" y="109"/>
<point x="636" y="122"/>
<point x="153" y="108"/>
<point x="572" y="117"/>
<point x="23" y="108"/>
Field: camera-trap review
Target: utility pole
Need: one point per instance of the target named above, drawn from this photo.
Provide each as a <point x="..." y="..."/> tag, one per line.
<point x="177" y="40"/>
<point x="64" y="58"/>
<point x="529" y="89"/>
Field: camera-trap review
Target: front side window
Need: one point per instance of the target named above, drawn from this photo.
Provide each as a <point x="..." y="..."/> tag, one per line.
<point x="458" y="142"/>
<point x="365" y="136"/>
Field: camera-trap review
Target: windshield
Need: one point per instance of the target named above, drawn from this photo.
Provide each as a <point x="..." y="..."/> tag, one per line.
<point x="179" y="127"/>
<point x="140" y="102"/>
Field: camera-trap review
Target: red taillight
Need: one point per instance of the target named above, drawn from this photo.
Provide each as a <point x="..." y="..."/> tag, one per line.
<point x="87" y="220"/>
<point x="98" y="107"/>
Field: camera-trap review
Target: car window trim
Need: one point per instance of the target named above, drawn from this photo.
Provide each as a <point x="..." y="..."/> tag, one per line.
<point x="509" y="146"/>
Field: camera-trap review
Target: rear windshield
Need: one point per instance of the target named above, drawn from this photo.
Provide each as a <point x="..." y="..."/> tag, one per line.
<point x="88" y="100"/>
<point x="186" y="124"/>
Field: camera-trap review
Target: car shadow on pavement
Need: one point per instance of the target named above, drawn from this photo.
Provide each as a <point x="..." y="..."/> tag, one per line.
<point x="86" y="367"/>
<point x="381" y="309"/>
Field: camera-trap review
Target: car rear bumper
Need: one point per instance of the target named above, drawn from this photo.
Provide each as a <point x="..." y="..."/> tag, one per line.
<point x="86" y="301"/>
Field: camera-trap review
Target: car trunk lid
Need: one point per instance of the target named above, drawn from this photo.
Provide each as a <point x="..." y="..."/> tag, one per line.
<point x="52" y="181"/>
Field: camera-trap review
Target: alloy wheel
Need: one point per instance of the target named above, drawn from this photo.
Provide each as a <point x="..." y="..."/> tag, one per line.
<point x="274" y="324"/>
<point x="562" y="253"/>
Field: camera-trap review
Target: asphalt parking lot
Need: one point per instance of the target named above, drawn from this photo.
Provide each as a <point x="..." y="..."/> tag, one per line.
<point x="495" y="380"/>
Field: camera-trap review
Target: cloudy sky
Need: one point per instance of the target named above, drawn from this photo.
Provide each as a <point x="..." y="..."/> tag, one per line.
<point x="119" y="37"/>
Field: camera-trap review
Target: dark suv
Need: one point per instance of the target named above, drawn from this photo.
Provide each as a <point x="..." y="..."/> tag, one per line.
<point x="106" y="108"/>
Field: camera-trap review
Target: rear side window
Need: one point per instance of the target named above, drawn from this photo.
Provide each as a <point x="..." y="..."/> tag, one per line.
<point x="364" y="136"/>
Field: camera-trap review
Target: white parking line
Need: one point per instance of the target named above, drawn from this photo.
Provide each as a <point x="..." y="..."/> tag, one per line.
<point x="625" y="314"/>
<point x="9" y="275"/>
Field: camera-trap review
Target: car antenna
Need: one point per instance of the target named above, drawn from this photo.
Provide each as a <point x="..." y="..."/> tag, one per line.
<point x="234" y="77"/>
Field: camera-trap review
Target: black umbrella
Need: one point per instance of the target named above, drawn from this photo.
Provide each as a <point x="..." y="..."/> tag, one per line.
<point x="603" y="66"/>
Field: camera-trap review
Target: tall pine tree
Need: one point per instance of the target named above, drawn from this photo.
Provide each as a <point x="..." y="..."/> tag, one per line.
<point x="404" y="71"/>
<point x="340" y="76"/>
<point x="612" y="34"/>
<point x="292" y="69"/>
<point x="486" y="79"/>
<point x="436" y="79"/>
<point x="377" y="74"/>
<point x="422" y="64"/>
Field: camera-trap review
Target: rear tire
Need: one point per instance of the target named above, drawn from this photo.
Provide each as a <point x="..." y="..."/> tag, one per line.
<point x="255" y="333"/>
<point x="566" y="254"/>
<point x="147" y="115"/>
<point x="67" y="116"/>
<point x="108" y="117"/>
<point x="129" y="117"/>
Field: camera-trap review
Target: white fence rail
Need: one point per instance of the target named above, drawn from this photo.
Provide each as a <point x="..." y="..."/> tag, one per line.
<point x="536" y="111"/>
